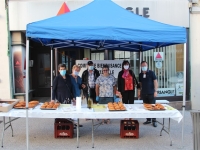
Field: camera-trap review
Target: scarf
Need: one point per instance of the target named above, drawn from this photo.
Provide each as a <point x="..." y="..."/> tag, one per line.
<point x="125" y="74"/>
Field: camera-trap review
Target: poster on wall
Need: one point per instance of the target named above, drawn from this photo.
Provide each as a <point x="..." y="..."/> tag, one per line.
<point x="179" y="89"/>
<point x="163" y="92"/>
<point x="19" y="69"/>
<point x="115" y="66"/>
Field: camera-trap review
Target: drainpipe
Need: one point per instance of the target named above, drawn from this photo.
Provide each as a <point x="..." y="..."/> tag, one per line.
<point x="9" y="52"/>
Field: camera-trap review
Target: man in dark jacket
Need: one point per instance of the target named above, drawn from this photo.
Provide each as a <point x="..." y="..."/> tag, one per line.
<point x="89" y="77"/>
<point x="149" y="87"/>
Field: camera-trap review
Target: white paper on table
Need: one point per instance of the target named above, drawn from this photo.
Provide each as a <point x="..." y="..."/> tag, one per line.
<point x="78" y="102"/>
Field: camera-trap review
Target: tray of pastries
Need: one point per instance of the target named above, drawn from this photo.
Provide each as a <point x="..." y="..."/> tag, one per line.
<point x="116" y="106"/>
<point x="50" y="106"/>
<point x="154" y="107"/>
<point x="22" y="104"/>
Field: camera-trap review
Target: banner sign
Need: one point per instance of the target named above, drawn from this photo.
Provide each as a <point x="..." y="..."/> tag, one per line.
<point x="115" y="66"/>
<point x="19" y="69"/>
<point x="166" y="92"/>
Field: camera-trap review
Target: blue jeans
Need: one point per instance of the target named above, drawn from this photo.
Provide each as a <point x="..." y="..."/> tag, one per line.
<point x="105" y="100"/>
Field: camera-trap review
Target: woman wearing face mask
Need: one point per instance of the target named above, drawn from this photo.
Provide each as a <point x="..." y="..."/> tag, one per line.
<point x="62" y="86"/>
<point x="126" y="83"/>
<point x="76" y="86"/>
<point x="76" y="81"/>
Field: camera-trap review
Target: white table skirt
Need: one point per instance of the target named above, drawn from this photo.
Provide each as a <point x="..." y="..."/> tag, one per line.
<point x="133" y="111"/>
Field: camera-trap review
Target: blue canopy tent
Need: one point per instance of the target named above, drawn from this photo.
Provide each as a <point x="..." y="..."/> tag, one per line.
<point x="102" y="24"/>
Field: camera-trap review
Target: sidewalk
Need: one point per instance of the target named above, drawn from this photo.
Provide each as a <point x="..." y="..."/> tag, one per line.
<point x="106" y="137"/>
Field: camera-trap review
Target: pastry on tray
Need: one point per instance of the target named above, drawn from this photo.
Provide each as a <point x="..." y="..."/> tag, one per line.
<point x="156" y="106"/>
<point x="22" y="104"/>
<point x="116" y="106"/>
<point x="50" y="105"/>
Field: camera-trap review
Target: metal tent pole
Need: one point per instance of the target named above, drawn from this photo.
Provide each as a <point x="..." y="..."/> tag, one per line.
<point x="27" y="91"/>
<point x="51" y="71"/>
<point x="184" y="93"/>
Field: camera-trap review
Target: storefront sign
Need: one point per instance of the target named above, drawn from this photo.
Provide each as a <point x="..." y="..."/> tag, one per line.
<point x="166" y="92"/>
<point x="158" y="64"/>
<point x="158" y="56"/>
<point x="169" y="11"/>
<point x="115" y="66"/>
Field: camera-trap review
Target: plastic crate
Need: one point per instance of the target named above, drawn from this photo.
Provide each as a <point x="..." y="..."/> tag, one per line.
<point x="129" y="129"/>
<point x="63" y="128"/>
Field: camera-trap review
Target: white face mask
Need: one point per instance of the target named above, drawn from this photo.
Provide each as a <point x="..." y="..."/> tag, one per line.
<point x="144" y="68"/>
<point x="76" y="73"/>
<point x="91" y="67"/>
<point x="126" y="67"/>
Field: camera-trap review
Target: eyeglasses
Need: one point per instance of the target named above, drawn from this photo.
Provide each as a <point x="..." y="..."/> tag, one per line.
<point x="105" y="70"/>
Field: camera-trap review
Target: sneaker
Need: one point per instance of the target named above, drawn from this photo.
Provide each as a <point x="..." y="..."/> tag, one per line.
<point x="155" y="124"/>
<point x="147" y="122"/>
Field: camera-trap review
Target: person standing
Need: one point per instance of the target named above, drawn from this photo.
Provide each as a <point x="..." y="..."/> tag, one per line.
<point x="149" y="86"/>
<point x="105" y="88"/>
<point x="76" y="87"/>
<point x="76" y="81"/>
<point x="89" y="77"/>
<point x="126" y="83"/>
<point x="62" y="86"/>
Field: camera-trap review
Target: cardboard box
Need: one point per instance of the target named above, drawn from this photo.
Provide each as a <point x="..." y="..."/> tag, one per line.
<point x="7" y="104"/>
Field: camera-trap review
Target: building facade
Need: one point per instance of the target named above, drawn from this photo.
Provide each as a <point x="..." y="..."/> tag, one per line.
<point x="169" y="68"/>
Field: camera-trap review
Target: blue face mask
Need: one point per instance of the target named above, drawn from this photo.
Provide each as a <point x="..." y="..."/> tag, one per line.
<point x="144" y="68"/>
<point x="62" y="72"/>
<point x="91" y="67"/>
<point x="76" y="73"/>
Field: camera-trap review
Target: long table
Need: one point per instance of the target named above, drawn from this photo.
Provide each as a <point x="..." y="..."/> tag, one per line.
<point x="67" y="111"/>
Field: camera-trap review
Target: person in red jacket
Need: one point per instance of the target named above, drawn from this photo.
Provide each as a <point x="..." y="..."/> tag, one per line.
<point x="126" y="83"/>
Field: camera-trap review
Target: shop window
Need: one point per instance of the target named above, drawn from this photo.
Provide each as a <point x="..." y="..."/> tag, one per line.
<point x="97" y="56"/>
<point x="169" y="70"/>
<point x="44" y="73"/>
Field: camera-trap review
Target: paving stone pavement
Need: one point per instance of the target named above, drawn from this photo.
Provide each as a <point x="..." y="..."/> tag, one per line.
<point x="106" y="137"/>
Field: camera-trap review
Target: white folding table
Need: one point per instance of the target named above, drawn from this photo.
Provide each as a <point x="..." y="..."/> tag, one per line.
<point x="65" y="111"/>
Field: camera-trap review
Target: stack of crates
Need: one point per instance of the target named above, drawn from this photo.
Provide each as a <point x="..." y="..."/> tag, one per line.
<point x="129" y="129"/>
<point x="63" y="128"/>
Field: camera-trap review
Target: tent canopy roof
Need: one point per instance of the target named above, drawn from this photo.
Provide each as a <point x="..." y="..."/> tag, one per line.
<point x="103" y="24"/>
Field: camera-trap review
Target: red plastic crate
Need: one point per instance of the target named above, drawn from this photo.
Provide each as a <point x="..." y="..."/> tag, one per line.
<point x="129" y="129"/>
<point x="63" y="128"/>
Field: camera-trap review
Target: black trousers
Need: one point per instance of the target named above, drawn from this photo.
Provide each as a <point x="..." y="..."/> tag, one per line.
<point x="128" y="97"/>
<point x="92" y="95"/>
<point x="149" y="99"/>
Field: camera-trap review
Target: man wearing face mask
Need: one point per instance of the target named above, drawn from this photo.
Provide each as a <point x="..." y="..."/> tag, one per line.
<point x="62" y="86"/>
<point x="149" y="86"/>
<point x="89" y="77"/>
<point x="126" y="83"/>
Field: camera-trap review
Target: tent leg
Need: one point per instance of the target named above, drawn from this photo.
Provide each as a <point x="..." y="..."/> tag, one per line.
<point x="51" y="71"/>
<point x="27" y="92"/>
<point x="184" y="95"/>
